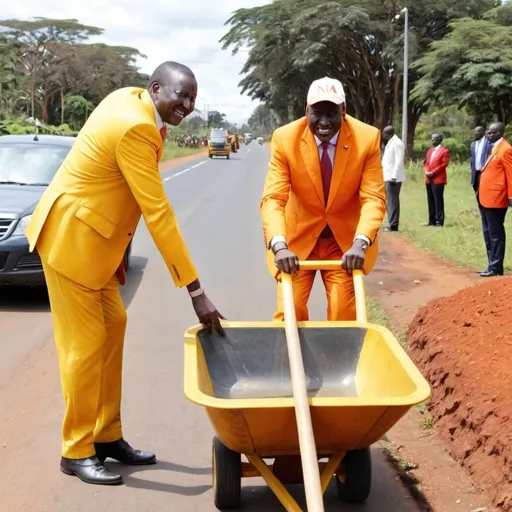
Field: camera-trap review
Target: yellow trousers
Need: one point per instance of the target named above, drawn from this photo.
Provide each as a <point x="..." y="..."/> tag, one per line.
<point x="89" y="329"/>
<point x="339" y="287"/>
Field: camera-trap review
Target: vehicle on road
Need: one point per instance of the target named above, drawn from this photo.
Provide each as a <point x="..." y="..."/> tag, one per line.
<point x="235" y="146"/>
<point x="219" y="143"/>
<point x="260" y="141"/>
<point x="27" y="166"/>
<point x="248" y="138"/>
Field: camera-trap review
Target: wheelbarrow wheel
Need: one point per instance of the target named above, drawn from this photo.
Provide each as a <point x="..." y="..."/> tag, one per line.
<point x="227" y="476"/>
<point x="354" y="484"/>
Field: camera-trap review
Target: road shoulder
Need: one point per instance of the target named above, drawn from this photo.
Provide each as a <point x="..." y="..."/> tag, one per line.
<point x="404" y="280"/>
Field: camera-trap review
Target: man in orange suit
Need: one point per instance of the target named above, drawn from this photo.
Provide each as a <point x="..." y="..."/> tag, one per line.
<point x="81" y="229"/>
<point x="435" y="165"/>
<point x="495" y="196"/>
<point x="324" y="199"/>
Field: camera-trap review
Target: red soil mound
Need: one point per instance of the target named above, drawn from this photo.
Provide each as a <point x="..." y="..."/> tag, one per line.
<point x="463" y="345"/>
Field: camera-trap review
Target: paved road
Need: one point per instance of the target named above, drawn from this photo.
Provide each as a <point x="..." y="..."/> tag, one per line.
<point x="217" y="206"/>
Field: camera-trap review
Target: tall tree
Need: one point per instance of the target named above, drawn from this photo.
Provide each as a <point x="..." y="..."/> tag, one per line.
<point x="293" y="42"/>
<point x="46" y="49"/>
<point x="471" y="67"/>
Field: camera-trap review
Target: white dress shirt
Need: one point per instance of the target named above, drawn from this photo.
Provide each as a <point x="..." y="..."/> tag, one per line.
<point x="497" y="143"/>
<point x="393" y="160"/>
<point x="434" y="153"/>
<point x="159" y="123"/>
<point x="331" y="151"/>
<point x="479" y="148"/>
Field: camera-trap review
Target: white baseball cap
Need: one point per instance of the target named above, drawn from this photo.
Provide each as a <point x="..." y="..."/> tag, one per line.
<point x="326" y="89"/>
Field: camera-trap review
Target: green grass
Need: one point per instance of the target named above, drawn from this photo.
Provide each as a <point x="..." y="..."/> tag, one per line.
<point x="461" y="239"/>
<point x="377" y="315"/>
<point x="172" y="150"/>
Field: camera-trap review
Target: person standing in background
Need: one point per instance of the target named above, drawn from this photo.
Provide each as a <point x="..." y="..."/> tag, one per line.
<point x="495" y="197"/>
<point x="480" y="150"/>
<point x="435" y="165"/>
<point x="394" y="175"/>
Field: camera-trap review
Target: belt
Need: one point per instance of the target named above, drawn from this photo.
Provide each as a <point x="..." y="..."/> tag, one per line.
<point x="326" y="233"/>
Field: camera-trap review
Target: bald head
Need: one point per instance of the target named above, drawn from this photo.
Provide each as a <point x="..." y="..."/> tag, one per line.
<point x="173" y="89"/>
<point x="388" y="133"/>
<point x="166" y="73"/>
<point x="495" y="132"/>
<point x="479" y="132"/>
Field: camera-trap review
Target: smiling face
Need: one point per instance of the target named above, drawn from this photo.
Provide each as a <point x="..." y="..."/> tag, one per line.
<point x="175" y="100"/>
<point x="324" y="119"/>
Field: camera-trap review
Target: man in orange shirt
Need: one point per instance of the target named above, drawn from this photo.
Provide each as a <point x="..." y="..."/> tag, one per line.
<point x="495" y="196"/>
<point x="324" y="199"/>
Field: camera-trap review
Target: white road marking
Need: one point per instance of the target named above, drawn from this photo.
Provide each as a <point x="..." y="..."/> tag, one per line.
<point x="184" y="171"/>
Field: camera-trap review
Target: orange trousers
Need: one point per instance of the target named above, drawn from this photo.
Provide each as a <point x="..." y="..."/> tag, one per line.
<point x="339" y="286"/>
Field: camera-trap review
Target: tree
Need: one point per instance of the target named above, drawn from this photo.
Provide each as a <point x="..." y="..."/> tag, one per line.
<point x="293" y="42"/>
<point x="43" y="62"/>
<point x="471" y="67"/>
<point x="46" y="49"/>
<point x="216" y="119"/>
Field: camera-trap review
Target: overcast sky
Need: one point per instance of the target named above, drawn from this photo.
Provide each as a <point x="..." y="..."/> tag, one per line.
<point x="187" y="31"/>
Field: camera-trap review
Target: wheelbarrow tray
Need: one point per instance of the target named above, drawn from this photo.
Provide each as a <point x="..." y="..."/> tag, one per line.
<point x="360" y="383"/>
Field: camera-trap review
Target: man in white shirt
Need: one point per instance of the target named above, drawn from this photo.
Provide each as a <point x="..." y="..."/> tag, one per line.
<point x="394" y="175"/>
<point x="480" y="150"/>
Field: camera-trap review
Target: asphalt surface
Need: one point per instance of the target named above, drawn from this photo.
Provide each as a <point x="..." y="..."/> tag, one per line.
<point x="217" y="205"/>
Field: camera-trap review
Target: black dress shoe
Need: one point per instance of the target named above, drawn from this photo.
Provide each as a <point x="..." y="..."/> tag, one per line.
<point x="90" y="470"/>
<point x="490" y="273"/>
<point x="388" y="229"/>
<point x="122" y="452"/>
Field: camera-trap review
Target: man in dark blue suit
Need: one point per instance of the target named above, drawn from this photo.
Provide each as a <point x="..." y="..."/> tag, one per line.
<point x="481" y="149"/>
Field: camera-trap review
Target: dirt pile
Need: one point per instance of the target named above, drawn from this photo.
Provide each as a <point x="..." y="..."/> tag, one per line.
<point x="463" y="346"/>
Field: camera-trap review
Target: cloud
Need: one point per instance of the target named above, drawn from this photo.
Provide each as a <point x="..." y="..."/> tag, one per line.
<point x="186" y="32"/>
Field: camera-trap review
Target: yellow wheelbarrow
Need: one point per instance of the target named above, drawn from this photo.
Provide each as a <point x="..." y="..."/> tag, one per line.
<point x="299" y="394"/>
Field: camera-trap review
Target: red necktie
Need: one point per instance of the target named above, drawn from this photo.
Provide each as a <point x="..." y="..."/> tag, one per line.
<point x="326" y="168"/>
<point x="163" y="131"/>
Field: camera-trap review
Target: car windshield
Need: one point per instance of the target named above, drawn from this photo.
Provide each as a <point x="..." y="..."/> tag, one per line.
<point x="30" y="164"/>
<point x="217" y="134"/>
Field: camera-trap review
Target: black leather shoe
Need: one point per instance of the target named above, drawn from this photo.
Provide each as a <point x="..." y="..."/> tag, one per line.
<point x="90" y="470"/>
<point x="122" y="452"/>
<point x="490" y="273"/>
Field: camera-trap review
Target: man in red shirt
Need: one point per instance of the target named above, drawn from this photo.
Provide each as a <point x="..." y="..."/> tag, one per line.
<point x="436" y="162"/>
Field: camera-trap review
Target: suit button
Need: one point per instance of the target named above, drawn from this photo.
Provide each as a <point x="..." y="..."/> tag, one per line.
<point x="129" y="234"/>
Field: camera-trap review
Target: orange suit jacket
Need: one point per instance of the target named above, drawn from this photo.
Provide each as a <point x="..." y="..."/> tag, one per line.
<point x="495" y="188"/>
<point x="87" y="216"/>
<point x="438" y="166"/>
<point x="293" y="199"/>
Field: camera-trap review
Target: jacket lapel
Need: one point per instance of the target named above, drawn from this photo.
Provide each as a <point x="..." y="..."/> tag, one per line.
<point x="341" y="158"/>
<point x="492" y="155"/>
<point x="309" y="152"/>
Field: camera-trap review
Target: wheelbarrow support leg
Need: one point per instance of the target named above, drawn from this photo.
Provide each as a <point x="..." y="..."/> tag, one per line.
<point x="330" y="469"/>
<point x="289" y="504"/>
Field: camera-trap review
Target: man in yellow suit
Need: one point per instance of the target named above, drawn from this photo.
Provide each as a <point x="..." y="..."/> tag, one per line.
<point x="81" y="229"/>
<point x="324" y="199"/>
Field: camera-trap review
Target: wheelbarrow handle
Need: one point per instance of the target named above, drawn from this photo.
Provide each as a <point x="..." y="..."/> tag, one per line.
<point x="357" y="276"/>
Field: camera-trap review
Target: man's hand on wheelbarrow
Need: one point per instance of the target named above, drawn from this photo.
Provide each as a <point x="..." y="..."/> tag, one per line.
<point x="206" y="312"/>
<point x="353" y="259"/>
<point x="286" y="261"/>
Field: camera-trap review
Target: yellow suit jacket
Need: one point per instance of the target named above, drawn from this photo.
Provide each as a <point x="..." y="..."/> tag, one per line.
<point x="293" y="202"/>
<point x="88" y="214"/>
